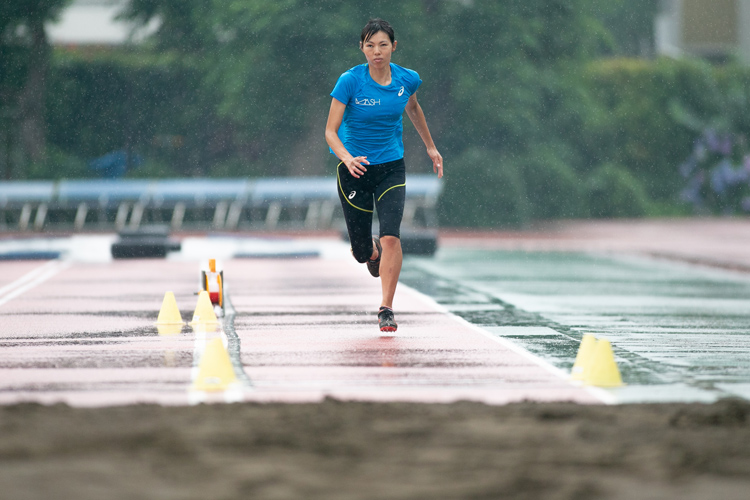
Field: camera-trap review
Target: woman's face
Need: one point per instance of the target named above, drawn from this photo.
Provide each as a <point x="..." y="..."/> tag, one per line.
<point x="378" y="49"/>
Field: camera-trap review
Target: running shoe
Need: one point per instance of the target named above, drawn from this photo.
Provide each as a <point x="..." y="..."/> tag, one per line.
<point x="374" y="265"/>
<point x="386" y="321"/>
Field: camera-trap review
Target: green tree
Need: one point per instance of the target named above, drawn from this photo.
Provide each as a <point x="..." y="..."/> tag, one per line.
<point x="23" y="80"/>
<point x="494" y="72"/>
<point x="532" y="122"/>
<point x="184" y="25"/>
<point x="629" y="24"/>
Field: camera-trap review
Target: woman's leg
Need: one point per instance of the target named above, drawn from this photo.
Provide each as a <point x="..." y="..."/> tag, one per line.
<point x="357" y="203"/>
<point x="390" y="268"/>
<point x="390" y="196"/>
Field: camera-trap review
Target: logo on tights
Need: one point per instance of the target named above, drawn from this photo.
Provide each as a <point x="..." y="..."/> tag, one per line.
<point x="352" y="194"/>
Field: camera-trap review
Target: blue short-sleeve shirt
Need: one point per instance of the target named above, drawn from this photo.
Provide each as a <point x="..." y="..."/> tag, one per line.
<point x="373" y="120"/>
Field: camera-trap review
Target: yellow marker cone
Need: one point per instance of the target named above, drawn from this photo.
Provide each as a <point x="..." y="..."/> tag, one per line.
<point x="204" y="310"/>
<point x="584" y="357"/>
<point x="169" y="330"/>
<point x="603" y="371"/>
<point x="204" y="328"/>
<point x="169" y="313"/>
<point x="215" y="372"/>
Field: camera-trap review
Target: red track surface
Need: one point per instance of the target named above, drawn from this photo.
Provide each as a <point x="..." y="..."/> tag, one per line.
<point x="719" y="242"/>
<point x="307" y="329"/>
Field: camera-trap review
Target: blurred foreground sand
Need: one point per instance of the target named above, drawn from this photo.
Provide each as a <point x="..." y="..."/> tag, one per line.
<point x="336" y="450"/>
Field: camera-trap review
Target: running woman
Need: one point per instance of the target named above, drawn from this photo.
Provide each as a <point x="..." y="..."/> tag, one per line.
<point x="364" y="132"/>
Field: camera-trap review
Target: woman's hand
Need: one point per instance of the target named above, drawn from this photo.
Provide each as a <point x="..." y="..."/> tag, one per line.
<point x="356" y="166"/>
<point x="437" y="161"/>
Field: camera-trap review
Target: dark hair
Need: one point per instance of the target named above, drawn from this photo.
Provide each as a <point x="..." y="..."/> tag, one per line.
<point x="375" y="25"/>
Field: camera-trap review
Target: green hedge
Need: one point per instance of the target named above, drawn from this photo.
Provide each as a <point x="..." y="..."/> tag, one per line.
<point x="613" y="191"/>
<point x="484" y="190"/>
<point x="636" y="124"/>
<point x="639" y="121"/>
<point x="153" y="106"/>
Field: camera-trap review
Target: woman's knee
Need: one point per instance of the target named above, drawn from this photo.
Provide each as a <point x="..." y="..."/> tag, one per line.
<point x="362" y="251"/>
<point x="390" y="242"/>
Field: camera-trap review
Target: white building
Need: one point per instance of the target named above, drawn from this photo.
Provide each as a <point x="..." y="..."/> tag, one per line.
<point x="715" y="29"/>
<point x="94" y="22"/>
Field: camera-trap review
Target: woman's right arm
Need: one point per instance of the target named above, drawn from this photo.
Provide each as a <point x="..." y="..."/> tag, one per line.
<point x="356" y="164"/>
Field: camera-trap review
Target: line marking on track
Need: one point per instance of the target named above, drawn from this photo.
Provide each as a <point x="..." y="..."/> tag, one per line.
<point x="225" y="329"/>
<point x="233" y="343"/>
<point x="602" y="395"/>
<point x="30" y="275"/>
<point x="31" y="279"/>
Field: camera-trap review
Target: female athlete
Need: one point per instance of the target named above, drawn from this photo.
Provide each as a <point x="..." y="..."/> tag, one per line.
<point x="364" y="131"/>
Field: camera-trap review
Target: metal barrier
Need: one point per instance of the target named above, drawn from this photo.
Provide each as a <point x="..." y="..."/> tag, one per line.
<point x="219" y="204"/>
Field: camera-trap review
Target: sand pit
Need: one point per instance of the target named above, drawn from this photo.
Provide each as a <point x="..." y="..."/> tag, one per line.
<point x="372" y="451"/>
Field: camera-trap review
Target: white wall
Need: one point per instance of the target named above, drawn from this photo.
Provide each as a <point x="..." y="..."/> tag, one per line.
<point x="669" y="28"/>
<point x="744" y="31"/>
<point x="93" y="22"/>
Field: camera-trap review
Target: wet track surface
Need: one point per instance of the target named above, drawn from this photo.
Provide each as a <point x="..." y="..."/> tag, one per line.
<point x="474" y="324"/>
<point x="298" y="330"/>
<point x="681" y="332"/>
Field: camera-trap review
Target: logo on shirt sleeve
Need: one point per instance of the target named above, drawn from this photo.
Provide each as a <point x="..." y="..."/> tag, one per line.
<point x="401" y="92"/>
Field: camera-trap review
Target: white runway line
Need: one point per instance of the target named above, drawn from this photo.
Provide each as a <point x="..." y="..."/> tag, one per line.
<point x="31" y="279"/>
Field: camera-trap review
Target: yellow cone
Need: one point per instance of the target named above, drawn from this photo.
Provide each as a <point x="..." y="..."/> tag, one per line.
<point x="204" y="310"/>
<point x="169" y="330"/>
<point x="169" y="313"/>
<point x="603" y="371"/>
<point x="215" y="372"/>
<point x="584" y="357"/>
<point x="204" y="328"/>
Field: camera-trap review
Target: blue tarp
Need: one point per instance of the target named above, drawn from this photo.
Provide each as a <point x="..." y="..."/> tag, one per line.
<point x="115" y="164"/>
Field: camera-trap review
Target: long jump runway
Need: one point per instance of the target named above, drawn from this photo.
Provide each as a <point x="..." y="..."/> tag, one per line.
<point x="298" y="330"/>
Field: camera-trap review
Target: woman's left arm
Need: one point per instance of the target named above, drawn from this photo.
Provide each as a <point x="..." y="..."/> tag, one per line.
<point x="416" y="115"/>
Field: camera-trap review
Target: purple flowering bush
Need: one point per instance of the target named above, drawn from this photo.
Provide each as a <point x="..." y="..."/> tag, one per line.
<point x="717" y="174"/>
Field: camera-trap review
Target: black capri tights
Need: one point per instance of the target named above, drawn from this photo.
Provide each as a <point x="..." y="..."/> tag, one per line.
<point x="382" y="186"/>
